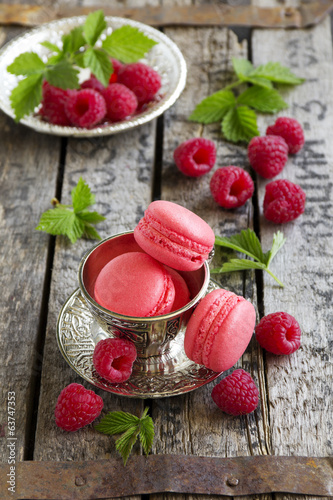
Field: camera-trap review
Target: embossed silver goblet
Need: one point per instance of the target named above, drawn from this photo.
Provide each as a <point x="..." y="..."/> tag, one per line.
<point x="159" y="340"/>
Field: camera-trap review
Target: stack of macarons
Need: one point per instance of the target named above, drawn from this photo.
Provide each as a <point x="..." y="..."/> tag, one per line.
<point x="144" y="284"/>
<point x="147" y="283"/>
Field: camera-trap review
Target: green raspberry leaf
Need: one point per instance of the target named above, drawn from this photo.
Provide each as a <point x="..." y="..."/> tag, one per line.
<point x="51" y="46"/>
<point x="26" y="95"/>
<point x="61" y="220"/>
<point x="213" y="108"/>
<point x="128" y="44"/>
<point x="277" y="73"/>
<point x="25" y="64"/>
<point x="262" y="99"/>
<point x="242" y="67"/>
<point x="90" y="217"/>
<point x="126" y="441"/>
<point x="82" y="196"/>
<point x="117" y="422"/>
<point x="62" y="75"/>
<point x="99" y="63"/>
<point x="147" y="433"/>
<point x="73" y="41"/>
<point x="240" y="124"/>
<point x="94" y="26"/>
<point x="278" y="242"/>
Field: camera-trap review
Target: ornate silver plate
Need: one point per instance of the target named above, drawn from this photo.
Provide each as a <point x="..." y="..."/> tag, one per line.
<point x="77" y="335"/>
<point x="165" y="57"/>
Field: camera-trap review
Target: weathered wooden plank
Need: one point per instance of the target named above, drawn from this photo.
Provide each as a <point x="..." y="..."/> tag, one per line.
<point x="192" y="424"/>
<point x="32" y="167"/>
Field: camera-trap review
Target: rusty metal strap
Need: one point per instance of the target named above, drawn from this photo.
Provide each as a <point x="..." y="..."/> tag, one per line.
<point x="168" y="473"/>
<point x="308" y="14"/>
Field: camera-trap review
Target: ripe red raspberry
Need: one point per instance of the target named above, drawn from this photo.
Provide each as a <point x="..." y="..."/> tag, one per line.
<point x="85" y="108"/>
<point x="53" y="104"/>
<point x="268" y="155"/>
<point x="117" y="65"/>
<point x="236" y="394"/>
<point x="279" y="333"/>
<point x="284" y="201"/>
<point x="291" y="131"/>
<point x="113" y="359"/>
<point x="195" y="157"/>
<point x="93" y="83"/>
<point x="231" y="186"/>
<point x="121" y="102"/>
<point x="77" y="407"/>
<point x="143" y="80"/>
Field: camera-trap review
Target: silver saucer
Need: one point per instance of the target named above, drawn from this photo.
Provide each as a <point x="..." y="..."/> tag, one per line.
<point x="78" y="333"/>
<point x="165" y="58"/>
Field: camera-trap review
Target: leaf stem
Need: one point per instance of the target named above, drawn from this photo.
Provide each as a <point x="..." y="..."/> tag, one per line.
<point x="233" y="85"/>
<point x="273" y="276"/>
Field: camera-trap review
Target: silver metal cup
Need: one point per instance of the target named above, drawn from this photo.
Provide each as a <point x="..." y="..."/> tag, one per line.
<point x="159" y="340"/>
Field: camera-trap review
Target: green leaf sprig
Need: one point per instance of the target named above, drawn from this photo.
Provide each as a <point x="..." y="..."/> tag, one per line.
<point x="130" y="427"/>
<point x="75" y="220"/>
<point x="79" y="50"/>
<point x="237" y="113"/>
<point x="247" y="242"/>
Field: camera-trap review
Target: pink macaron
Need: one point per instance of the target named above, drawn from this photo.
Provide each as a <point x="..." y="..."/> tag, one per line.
<point x="182" y="293"/>
<point x="174" y="235"/>
<point x="219" y="330"/>
<point x="135" y="284"/>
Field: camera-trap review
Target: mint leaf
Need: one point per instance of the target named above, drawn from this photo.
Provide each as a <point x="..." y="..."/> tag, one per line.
<point x="62" y="75"/>
<point x="26" y="95"/>
<point x="73" y="221"/>
<point x="128" y="44"/>
<point x="27" y="63"/>
<point x="94" y="26"/>
<point x="131" y="427"/>
<point x="242" y="67"/>
<point x="247" y="242"/>
<point x="240" y="124"/>
<point x="82" y="196"/>
<point x="99" y="63"/>
<point x="213" y="108"/>
<point x="262" y="99"/>
<point x="277" y="73"/>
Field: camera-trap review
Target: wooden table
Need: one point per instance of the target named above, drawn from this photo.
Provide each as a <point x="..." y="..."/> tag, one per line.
<point x="127" y="171"/>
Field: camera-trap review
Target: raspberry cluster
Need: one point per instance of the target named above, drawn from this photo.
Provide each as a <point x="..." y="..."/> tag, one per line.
<point x="131" y="88"/>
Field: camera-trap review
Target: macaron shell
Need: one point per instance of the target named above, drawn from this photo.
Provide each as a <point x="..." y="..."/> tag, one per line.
<point x="182" y="293"/>
<point x="174" y="235"/>
<point x="219" y="330"/>
<point x="135" y="284"/>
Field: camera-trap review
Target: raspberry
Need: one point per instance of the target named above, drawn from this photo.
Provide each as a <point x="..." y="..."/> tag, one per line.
<point x="113" y="359"/>
<point x="236" y="394"/>
<point x="121" y="102"/>
<point x="231" y="186"/>
<point x="85" y="108"/>
<point x="268" y="155"/>
<point x="77" y="407"/>
<point x="53" y="104"/>
<point x="93" y="83"/>
<point x="284" y="201"/>
<point x="279" y="333"/>
<point x="291" y="131"/>
<point x="117" y="65"/>
<point x="143" y="80"/>
<point x="195" y="157"/>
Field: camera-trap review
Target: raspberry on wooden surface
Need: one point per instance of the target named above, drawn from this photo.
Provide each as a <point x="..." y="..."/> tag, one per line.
<point x="120" y="101"/>
<point x="77" y="407"/>
<point x="268" y="155"/>
<point x="231" y="186"/>
<point x="291" y="131"/>
<point x="85" y="108"/>
<point x="113" y="359"/>
<point x="195" y="157"/>
<point x="236" y="394"/>
<point x="279" y="333"/>
<point x="142" y="79"/>
<point x="284" y="201"/>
